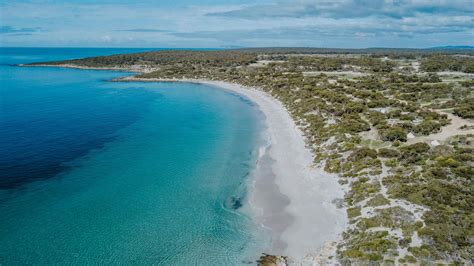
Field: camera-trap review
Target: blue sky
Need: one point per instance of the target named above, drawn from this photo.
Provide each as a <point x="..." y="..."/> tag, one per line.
<point x="232" y="23"/>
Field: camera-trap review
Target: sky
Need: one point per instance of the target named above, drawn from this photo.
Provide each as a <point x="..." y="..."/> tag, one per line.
<point x="232" y="23"/>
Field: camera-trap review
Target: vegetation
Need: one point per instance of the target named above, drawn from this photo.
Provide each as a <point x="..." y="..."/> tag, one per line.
<point x="465" y="108"/>
<point x="448" y="63"/>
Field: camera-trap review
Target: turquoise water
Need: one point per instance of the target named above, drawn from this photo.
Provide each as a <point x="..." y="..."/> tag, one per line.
<point x="96" y="172"/>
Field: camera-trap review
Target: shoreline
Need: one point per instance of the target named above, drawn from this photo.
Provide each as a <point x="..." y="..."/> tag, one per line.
<point x="71" y="66"/>
<point x="289" y="195"/>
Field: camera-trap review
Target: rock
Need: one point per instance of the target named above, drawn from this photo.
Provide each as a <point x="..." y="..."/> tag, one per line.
<point x="435" y="143"/>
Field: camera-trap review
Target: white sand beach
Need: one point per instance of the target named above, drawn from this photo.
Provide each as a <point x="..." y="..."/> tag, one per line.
<point x="290" y="197"/>
<point x="309" y="219"/>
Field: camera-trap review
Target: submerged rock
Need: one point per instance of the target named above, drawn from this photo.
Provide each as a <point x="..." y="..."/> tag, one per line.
<point x="233" y="203"/>
<point x="272" y="260"/>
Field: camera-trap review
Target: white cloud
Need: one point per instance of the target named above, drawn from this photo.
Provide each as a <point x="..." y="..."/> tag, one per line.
<point x="342" y="23"/>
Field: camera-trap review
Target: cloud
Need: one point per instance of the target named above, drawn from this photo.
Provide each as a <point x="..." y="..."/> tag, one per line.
<point x="106" y="38"/>
<point x="16" y="31"/>
<point x="143" y="30"/>
<point x="20" y="34"/>
<point x="340" y="9"/>
<point x="350" y="29"/>
<point x="215" y="23"/>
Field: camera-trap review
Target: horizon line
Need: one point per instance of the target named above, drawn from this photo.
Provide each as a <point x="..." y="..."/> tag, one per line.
<point x="250" y="47"/>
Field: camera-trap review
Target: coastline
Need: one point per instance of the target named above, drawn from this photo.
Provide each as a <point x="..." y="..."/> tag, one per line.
<point x="392" y="150"/>
<point x="121" y="69"/>
<point x="289" y="195"/>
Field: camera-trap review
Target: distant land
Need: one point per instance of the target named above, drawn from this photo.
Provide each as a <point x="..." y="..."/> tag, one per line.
<point x="463" y="47"/>
<point x="279" y="49"/>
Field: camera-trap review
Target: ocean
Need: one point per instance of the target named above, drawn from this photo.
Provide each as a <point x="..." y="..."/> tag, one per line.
<point x="96" y="172"/>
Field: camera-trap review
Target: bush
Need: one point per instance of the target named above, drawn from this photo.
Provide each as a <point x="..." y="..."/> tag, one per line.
<point x="352" y="123"/>
<point x="427" y="127"/>
<point x="388" y="153"/>
<point x="378" y="200"/>
<point x="419" y="147"/>
<point x="464" y="112"/>
<point x="362" y="153"/>
<point x="333" y="166"/>
<point x="353" y="212"/>
<point x="355" y="107"/>
<point x="415" y="152"/>
<point x="394" y="133"/>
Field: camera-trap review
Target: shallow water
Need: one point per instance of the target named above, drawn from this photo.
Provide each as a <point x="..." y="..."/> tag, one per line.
<point x="98" y="172"/>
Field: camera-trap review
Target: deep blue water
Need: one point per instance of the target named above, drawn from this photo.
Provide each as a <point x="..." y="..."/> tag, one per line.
<point x="93" y="171"/>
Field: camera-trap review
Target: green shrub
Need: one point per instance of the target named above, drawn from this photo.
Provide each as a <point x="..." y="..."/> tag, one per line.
<point x="377" y="200"/>
<point x="362" y="153"/>
<point x="333" y="166"/>
<point x="393" y="133"/>
<point x="353" y="212"/>
<point x="388" y="153"/>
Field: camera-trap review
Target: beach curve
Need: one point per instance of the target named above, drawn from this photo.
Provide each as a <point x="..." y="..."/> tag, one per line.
<point x="293" y="199"/>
